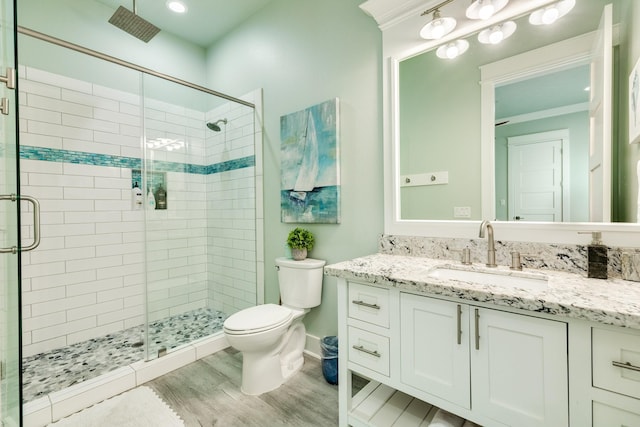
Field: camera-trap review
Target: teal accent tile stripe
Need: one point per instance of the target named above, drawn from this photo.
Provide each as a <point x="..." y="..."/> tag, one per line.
<point x="94" y="159"/>
<point x="229" y="165"/>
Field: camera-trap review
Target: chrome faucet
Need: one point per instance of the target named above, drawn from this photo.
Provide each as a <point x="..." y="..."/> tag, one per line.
<point x="491" y="245"/>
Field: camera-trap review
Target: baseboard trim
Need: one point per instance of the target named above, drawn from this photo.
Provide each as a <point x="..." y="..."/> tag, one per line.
<point x="312" y="346"/>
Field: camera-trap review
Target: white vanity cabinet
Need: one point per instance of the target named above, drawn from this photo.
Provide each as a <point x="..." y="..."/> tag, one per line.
<point x="494" y="367"/>
<point x="615" y="377"/>
<point x="568" y="355"/>
<point x="507" y="367"/>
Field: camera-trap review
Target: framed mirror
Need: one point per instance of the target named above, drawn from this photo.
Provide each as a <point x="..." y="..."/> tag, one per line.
<point x="447" y="161"/>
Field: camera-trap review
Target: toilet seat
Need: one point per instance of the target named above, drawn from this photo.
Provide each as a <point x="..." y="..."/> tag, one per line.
<point x="257" y="319"/>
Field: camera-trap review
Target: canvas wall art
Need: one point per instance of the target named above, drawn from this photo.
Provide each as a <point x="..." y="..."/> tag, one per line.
<point x="309" y="164"/>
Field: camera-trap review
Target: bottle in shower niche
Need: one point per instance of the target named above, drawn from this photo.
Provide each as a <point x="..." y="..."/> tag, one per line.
<point x="161" y="197"/>
<point x="151" y="200"/>
<point x="136" y="197"/>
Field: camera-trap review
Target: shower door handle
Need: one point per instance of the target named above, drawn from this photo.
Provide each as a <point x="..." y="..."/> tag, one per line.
<point x="36" y="222"/>
<point x="10" y="79"/>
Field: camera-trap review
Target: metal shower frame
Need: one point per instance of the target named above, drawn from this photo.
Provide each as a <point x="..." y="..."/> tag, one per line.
<point x="59" y="42"/>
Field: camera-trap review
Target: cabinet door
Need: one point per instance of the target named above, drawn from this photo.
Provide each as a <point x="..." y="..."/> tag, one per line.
<point x="434" y="347"/>
<point x="519" y="366"/>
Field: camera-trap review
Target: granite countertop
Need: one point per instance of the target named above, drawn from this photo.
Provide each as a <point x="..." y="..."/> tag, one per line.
<point x="612" y="302"/>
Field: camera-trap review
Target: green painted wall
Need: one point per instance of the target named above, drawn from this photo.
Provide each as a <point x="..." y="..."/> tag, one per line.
<point x="628" y="155"/>
<point x="578" y="126"/>
<point x="440" y="131"/>
<point x="303" y="52"/>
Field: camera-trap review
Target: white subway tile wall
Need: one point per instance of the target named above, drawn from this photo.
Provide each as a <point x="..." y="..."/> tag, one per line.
<point x="231" y="208"/>
<point x="87" y="278"/>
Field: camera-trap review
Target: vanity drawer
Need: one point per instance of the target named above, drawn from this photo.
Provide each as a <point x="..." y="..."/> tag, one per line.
<point x="616" y="361"/>
<point x="369" y="350"/>
<point x="369" y="304"/>
<point x="605" y="415"/>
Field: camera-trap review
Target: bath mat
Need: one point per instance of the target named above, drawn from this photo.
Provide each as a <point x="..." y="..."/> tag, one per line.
<point x="139" y="407"/>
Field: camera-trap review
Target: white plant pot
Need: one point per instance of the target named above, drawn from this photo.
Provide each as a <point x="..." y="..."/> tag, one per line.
<point x="299" y="254"/>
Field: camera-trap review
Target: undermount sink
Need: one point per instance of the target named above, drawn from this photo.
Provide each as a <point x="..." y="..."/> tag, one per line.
<point x="506" y="279"/>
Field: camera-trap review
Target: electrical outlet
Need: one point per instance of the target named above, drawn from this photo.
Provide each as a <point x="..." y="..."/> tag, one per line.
<point x="462" y="212"/>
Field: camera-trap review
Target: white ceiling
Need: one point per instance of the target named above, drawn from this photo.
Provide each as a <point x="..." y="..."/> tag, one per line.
<point x="203" y="23"/>
<point x="559" y="89"/>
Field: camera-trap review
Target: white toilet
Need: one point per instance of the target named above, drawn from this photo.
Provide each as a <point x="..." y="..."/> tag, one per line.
<point x="272" y="337"/>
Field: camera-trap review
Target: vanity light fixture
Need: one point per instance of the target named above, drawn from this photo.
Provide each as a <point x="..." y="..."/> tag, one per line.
<point x="550" y="14"/>
<point x="176" y="6"/>
<point x="453" y="49"/>
<point x="497" y="33"/>
<point x="438" y="27"/>
<point x="485" y="9"/>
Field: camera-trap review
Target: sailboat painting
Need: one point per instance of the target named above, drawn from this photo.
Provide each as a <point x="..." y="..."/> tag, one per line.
<point x="309" y="164"/>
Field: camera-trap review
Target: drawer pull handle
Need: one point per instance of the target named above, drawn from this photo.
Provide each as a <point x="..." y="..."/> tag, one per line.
<point x="477" y="329"/>
<point x="366" y="304"/>
<point x="626" y="366"/>
<point x="459" y="323"/>
<point x="365" y="350"/>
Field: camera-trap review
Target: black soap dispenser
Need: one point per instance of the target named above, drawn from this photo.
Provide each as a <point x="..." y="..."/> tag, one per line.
<point x="597" y="257"/>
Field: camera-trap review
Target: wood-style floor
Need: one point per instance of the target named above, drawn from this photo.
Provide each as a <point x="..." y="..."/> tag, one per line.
<point x="207" y="393"/>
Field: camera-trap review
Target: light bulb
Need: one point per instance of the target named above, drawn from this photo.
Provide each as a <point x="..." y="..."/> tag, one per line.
<point x="486" y="10"/>
<point x="452" y="51"/>
<point x="437" y="30"/>
<point x="550" y="15"/>
<point x="496" y="35"/>
<point x="438" y="27"/>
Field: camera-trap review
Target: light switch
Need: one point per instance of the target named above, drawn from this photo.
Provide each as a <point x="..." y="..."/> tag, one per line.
<point x="462" y="212"/>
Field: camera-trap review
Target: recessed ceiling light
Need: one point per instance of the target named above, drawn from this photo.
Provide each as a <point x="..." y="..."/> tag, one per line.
<point x="176" y="6"/>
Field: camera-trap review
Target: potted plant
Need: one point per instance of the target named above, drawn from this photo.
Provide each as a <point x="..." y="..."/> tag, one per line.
<point x="300" y="241"/>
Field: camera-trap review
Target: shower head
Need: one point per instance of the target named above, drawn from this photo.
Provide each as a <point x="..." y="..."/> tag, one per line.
<point x="214" y="126"/>
<point x="128" y="21"/>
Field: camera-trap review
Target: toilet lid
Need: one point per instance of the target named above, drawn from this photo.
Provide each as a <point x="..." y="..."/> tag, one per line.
<point x="258" y="318"/>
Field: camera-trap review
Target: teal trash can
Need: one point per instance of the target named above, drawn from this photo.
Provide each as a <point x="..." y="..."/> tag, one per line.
<point x="329" y="350"/>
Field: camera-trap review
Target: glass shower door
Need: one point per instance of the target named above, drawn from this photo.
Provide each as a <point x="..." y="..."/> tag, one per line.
<point x="10" y="407"/>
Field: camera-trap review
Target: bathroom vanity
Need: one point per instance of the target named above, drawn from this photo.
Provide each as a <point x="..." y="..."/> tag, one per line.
<point x="495" y="346"/>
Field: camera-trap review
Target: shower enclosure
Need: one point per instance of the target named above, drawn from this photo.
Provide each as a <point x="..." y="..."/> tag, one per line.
<point x="148" y="215"/>
<point x="10" y="404"/>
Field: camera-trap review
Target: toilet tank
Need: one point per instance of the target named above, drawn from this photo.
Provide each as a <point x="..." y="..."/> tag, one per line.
<point x="300" y="282"/>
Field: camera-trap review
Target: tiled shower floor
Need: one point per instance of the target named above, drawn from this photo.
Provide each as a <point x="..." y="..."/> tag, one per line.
<point x="55" y="370"/>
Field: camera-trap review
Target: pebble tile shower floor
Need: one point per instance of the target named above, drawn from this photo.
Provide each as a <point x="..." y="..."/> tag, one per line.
<point x="55" y="370"/>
